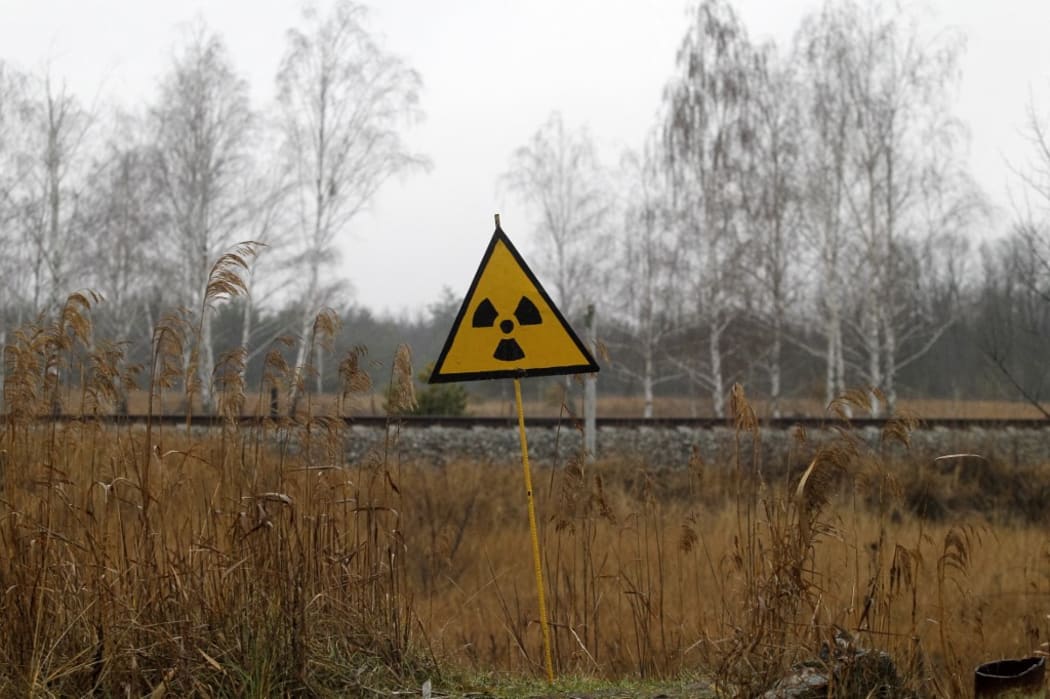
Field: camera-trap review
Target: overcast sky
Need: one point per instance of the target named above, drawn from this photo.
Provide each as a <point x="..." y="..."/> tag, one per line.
<point x="493" y="70"/>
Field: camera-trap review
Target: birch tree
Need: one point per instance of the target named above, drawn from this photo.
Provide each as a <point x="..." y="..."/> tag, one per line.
<point x="123" y="224"/>
<point x="707" y="134"/>
<point x="897" y="134"/>
<point x="11" y="116"/>
<point x="558" y="175"/>
<point x="49" y="189"/>
<point x="14" y="125"/>
<point x="13" y="120"/>
<point x="344" y="101"/>
<point x="646" y="274"/>
<point x="201" y="130"/>
<point x="771" y="197"/>
<point x="826" y="115"/>
<point x="269" y="223"/>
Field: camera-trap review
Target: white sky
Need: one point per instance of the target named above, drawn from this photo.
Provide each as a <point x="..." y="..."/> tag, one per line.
<point x="493" y="70"/>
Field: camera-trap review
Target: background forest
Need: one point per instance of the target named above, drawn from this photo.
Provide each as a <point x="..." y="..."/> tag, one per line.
<point x="799" y="218"/>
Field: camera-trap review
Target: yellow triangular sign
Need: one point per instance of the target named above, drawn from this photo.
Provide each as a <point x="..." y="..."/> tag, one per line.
<point x="508" y="326"/>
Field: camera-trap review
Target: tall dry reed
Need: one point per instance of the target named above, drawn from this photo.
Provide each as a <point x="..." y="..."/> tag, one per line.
<point x="151" y="559"/>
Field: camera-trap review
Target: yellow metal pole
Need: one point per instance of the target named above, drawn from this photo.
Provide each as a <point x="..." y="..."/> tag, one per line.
<point x="537" y="562"/>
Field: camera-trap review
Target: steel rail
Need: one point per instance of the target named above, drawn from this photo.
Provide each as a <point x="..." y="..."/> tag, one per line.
<point x="509" y="421"/>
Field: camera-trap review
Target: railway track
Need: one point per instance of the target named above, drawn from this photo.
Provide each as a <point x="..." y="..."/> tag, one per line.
<point x="784" y="423"/>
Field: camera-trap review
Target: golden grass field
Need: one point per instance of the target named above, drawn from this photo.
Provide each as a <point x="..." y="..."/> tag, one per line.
<point x="151" y="560"/>
<point x="254" y="562"/>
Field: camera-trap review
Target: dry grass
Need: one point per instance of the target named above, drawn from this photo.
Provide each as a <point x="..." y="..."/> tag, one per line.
<point x="255" y="561"/>
<point x="662" y="573"/>
<point x="152" y="560"/>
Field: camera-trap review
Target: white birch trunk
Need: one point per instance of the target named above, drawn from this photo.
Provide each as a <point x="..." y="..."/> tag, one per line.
<point x="890" y="351"/>
<point x="871" y="343"/>
<point x="840" y="361"/>
<point x="302" y="355"/>
<point x="306" y="325"/>
<point x="714" y="347"/>
<point x="775" y="351"/>
<point x="830" y="367"/>
<point x="647" y="382"/>
<point x="206" y="360"/>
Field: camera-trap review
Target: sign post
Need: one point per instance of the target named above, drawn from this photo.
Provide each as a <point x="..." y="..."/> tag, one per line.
<point x="537" y="560"/>
<point x="508" y="327"/>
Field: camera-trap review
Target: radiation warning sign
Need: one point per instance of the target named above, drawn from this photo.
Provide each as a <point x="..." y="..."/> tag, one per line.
<point x="508" y="326"/>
